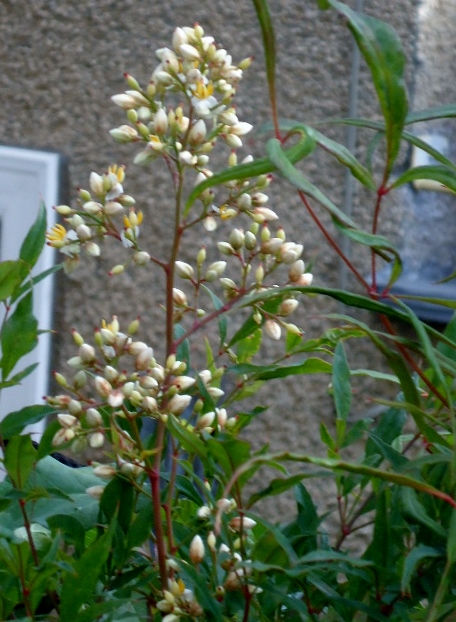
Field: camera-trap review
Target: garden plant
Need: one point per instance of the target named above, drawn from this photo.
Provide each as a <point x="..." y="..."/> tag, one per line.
<point x="165" y="526"/>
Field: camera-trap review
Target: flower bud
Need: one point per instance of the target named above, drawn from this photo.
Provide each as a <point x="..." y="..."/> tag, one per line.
<point x="239" y="523"/>
<point x="287" y="306"/>
<point x="105" y="471"/>
<point x="87" y="353"/>
<point x="184" y="270"/>
<point x="263" y="214"/>
<point x="93" y="418"/>
<point x="179" y="297"/>
<point x="96" y="440"/>
<point x="66" y="421"/>
<point x="296" y="270"/>
<point x="272" y="329"/>
<point x="198" y="132"/>
<point x="95" y="491"/>
<point x="160" y="122"/>
<point x="178" y="404"/>
<point x="197" y="550"/>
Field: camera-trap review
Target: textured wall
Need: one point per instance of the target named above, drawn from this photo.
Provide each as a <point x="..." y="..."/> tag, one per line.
<point x="62" y="60"/>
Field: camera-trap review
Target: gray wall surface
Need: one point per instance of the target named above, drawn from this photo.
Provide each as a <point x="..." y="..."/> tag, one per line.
<point x="61" y="61"/>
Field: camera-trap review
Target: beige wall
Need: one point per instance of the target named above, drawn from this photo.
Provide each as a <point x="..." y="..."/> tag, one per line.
<point x="62" y="60"/>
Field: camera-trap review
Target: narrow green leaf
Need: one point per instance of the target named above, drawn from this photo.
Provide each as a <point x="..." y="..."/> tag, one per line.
<point x="444" y="111"/>
<point x="20" y="457"/>
<point x="269" y="47"/>
<point x="80" y="586"/>
<point x="451" y="544"/>
<point x="15" y="422"/>
<point x="19" y="336"/>
<point x="35" y="239"/>
<point x="288" y="170"/>
<point x="339" y="151"/>
<point x="268" y="372"/>
<point x="341" y="382"/>
<point x="261" y="166"/>
<point x="30" y="283"/>
<point x="71" y="527"/>
<point x="444" y="302"/>
<point x="382" y="51"/>
<point x="249" y="346"/>
<point x="441" y="174"/>
<point x="222" y="321"/>
<point x="275" y="487"/>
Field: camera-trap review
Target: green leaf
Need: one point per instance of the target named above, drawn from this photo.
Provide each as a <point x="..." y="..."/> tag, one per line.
<point x="35" y="239"/>
<point x="261" y="166"/>
<point x="80" y="586"/>
<point x="20" y="457"/>
<point x="411" y="563"/>
<point x="186" y="437"/>
<point x="444" y="111"/>
<point x="222" y="321"/>
<point x="341" y="382"/>
<point x="15" y="422"/>
<point x="382" y="51"/>
<point x="12" y="273"/>
<point x="16" y="379"/>
<point x="249" y="346"/>
<point x="441" y="174"/>
<point x="275" y="487"/>
<point x="267" y="33"/>
<point x="339" y="151"/>
<point x="269" y="372"/>
<point x="380" y="245"/>
<point x="451" y="544"/>
<point x="71" y="528"/>
<point x="288" y="170"/>
<point x="19" y="336"/>
<point x="416" y="511"/>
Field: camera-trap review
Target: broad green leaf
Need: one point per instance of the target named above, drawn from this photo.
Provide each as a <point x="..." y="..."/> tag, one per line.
<point x="261" y="166"/>
<point x="382" y="51"/>
<point x="71" y="527"/>
<point x="19" y="336"/>
<point x="12" y="273"/>
<point x="249" y="346"/>
<point x="412" y="562"/>
<point x="341" y="382"/>
<point x="80" y="586"/>
<point x="271" y="546"/>
<point x="20" y="457"/>
<point x="298" y="179"/>
<point x="339" y="151"/>
<point x="15" y="422"/>
<point x="269" y="372"/>
<point x="441" y="174"/>
<point x="118" y="499"/>
<point x="35" y="239"/>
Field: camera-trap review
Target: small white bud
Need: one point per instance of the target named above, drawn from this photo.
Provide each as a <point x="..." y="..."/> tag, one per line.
<point x="197" y="550"/>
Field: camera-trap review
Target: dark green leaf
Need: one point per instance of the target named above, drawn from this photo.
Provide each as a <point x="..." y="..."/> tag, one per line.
<point x="412" y="561"/>
<point x="267" y="33"/>
<point x="16" y="379"/>
<point x="249" y="346"/>
<point x="451" y="544"/>
<point x="275" y="487"/>
<point x="417" y="512"/>
<point x="341" y="382"/>
<point x="118" y="498"/>
<point x="72" y="529"/>
<point x="35" y="239"/>
<point x="382" y="51"/>
<point x="19" y="336"/>
<point x="80" y="586"/>
<point x="222" y="321"/>
<point x="15" y="422"/>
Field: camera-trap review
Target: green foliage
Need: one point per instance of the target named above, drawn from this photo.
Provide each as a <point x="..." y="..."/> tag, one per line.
<point x="172" y="527"/>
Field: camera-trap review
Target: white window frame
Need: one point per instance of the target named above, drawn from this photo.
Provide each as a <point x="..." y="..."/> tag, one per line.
<point x="27" y="177"/>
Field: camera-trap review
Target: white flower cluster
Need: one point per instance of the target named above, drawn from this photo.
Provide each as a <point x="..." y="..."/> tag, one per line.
<point x="94" y="219"/>
<point x="203" y="77"/>
<point x="143" y="389"/>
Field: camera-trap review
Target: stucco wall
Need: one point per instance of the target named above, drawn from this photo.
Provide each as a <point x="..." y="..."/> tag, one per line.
<point x="60" y="63"/>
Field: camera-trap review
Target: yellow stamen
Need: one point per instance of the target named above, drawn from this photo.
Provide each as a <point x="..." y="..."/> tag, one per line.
<point x="203" y="91"/>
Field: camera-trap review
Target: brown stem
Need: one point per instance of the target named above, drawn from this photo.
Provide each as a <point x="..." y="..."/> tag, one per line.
<point x="332" y="242"/>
